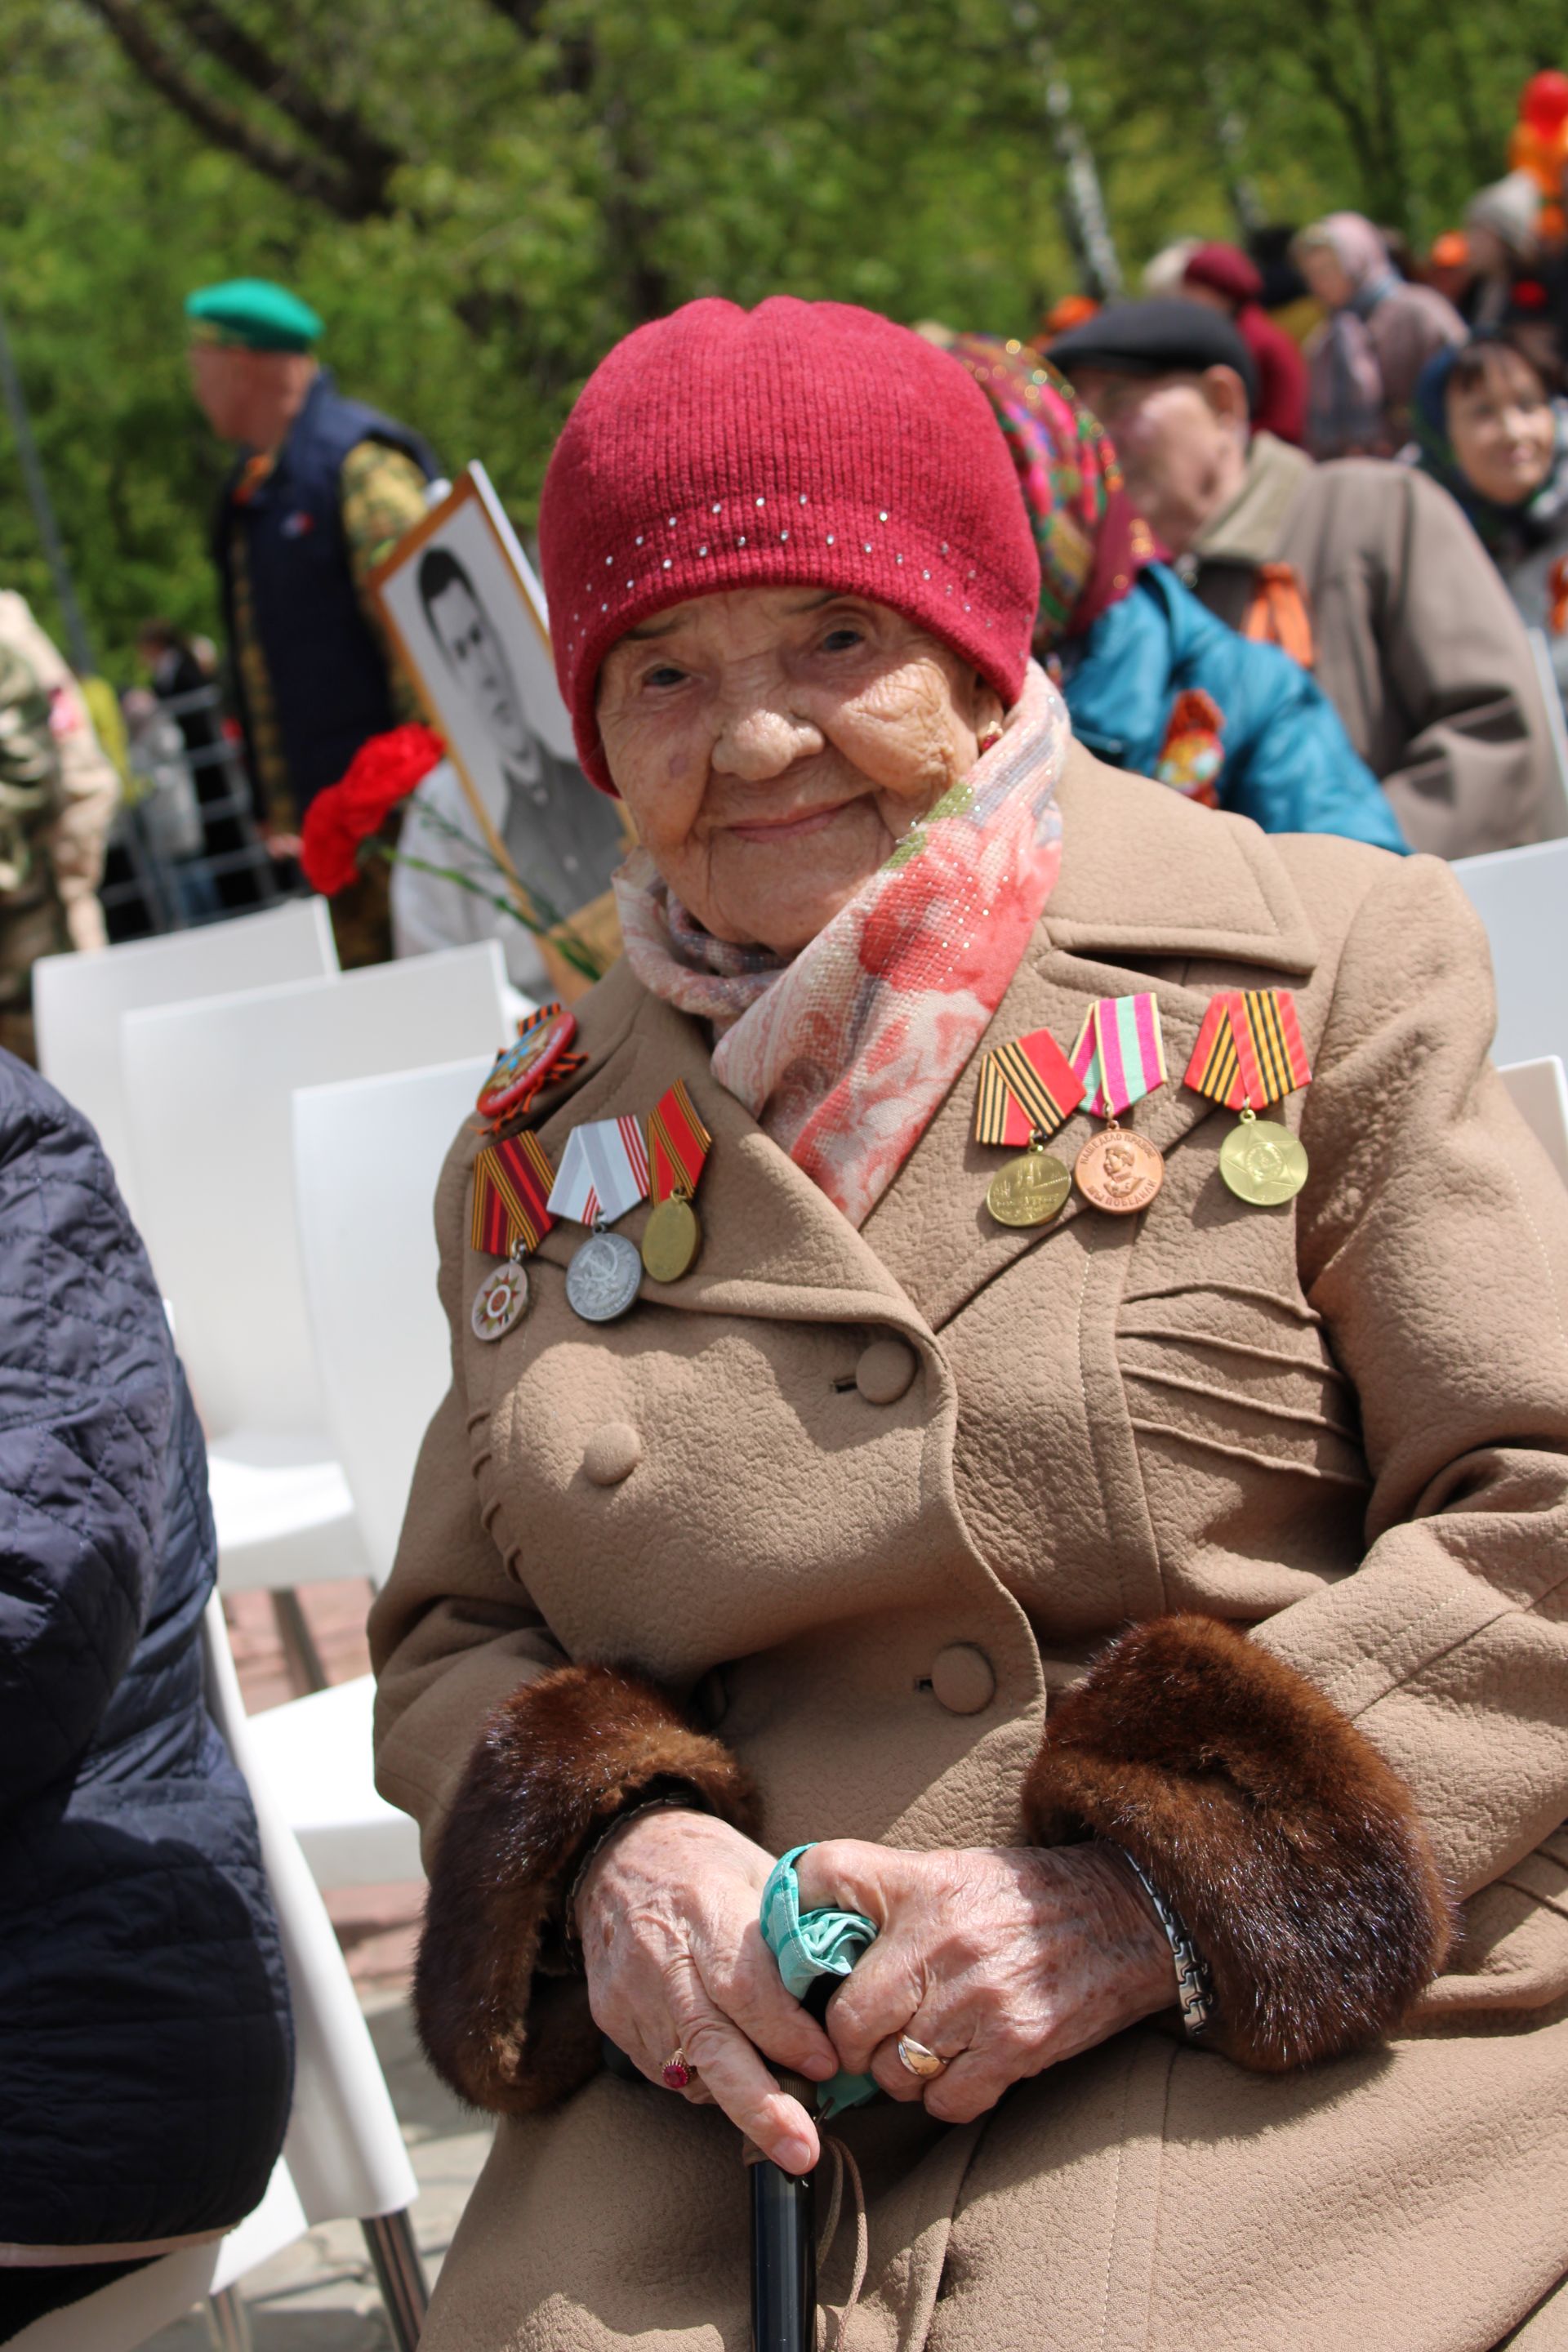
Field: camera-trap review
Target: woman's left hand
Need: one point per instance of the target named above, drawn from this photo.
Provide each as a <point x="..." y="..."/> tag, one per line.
<point x="1002" y="1960"/>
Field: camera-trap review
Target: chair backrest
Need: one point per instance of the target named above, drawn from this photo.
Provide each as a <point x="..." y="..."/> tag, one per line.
<point x="344" y="2150"/>
<point x="367" y="1153"/>
<point x="1521" y="897"/>
<point x="78" y="1000"/>
<point x="1539" y="1092"/>
<point x="209" y="1089"/>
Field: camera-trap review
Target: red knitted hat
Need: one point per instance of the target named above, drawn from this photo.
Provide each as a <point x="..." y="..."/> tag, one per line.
<point x="803" y="442"/>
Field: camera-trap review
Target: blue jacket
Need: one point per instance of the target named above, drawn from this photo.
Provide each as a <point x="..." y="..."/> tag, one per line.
<point x="146" y="2054"/>
<point x="1288" y="762"/>
<point x="326" y="667"/>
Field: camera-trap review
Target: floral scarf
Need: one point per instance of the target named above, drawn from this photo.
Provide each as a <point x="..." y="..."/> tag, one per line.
<point x="1093" y="541"/>
<point x="844" y="1051"/>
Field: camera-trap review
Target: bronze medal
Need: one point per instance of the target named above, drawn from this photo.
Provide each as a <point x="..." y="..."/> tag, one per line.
<point x="1030" y="1190"/>
<point x="1118" y="1172"/>
<point x="672" y="1239"/>
<point x="1262" y="1162"/>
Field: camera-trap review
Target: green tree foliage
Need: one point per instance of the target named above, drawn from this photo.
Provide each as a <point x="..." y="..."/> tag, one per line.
<point x="480" y="195"/>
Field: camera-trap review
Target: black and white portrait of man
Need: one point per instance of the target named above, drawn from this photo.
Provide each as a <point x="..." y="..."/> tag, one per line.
<point x="564" y="837"/>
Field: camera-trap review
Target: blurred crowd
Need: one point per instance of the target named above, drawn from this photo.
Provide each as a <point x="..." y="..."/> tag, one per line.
<point x="1302" y="513"/>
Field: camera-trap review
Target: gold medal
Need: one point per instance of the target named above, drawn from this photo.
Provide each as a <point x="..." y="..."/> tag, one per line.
<point x="672" y="1239"/>
<point x="1262" y="1162"/>
<point x="1030" y="1190"/>
<point x="1118" y="1172"/>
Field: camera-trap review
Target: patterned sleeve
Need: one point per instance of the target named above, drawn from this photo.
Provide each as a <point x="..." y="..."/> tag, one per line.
<point x="382" y="495"/>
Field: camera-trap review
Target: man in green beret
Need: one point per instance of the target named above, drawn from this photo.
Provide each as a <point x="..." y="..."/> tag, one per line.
<point x="322" y="490"/>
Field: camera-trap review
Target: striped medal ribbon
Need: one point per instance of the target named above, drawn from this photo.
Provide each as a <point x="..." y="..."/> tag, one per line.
<point x="677" y="1148"/>
<point x="603" y="1172"/>
<point x="510" y="1217"/>
<point x="1026" y="1090"/>
<point x="1248" y="1055"/>
<point x="1119" y="1055"/>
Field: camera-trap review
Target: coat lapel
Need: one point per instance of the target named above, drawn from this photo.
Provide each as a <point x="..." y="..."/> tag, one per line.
<point x="1150" y="883"/>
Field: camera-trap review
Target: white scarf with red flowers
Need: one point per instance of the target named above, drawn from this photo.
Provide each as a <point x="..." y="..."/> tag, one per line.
<point x="844" y="1051"/>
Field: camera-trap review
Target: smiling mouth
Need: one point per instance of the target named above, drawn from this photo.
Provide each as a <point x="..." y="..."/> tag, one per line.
<point x="791" y="828"/>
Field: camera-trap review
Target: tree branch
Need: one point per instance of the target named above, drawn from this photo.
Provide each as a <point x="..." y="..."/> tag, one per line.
<point x="303" y="174"/>
<point x="340" y="131"/>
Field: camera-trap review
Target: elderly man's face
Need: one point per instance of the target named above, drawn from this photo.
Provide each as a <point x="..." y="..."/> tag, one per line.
<point x="772" y="744"/>
<point x="1182" y="440"/>
<point x="480" y="666"/>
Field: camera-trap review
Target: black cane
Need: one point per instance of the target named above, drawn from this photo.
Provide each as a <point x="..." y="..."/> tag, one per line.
<point x="784" y="2249"/>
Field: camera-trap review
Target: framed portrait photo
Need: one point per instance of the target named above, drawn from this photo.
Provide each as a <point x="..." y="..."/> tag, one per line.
<point x="467" y="618"/>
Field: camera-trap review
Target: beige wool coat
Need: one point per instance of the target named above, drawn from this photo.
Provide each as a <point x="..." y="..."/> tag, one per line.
<point x="856" y="1509"/>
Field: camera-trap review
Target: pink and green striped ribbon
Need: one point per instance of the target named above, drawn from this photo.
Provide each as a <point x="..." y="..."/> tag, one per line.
<point x="1120" y="1053"/>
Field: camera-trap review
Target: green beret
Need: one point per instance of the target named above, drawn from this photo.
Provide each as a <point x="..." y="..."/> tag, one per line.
<point x="254" y="313"/>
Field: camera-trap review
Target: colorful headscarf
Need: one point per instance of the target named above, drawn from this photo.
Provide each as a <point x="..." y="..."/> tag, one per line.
<point x="1505" y="531"/>
<point x="1091" y="539"/>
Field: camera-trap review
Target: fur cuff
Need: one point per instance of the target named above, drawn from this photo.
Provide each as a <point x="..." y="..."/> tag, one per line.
<point x="556" y="1763"/>
<point x="1293" y="1854"/>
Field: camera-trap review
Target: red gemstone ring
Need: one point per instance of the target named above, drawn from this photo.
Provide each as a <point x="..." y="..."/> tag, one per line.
<point x="676" y="2073"/>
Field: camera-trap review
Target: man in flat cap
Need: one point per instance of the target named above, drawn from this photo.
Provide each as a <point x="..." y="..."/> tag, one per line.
<point x="321" y="491"/>
<point x="1366" y="571"/>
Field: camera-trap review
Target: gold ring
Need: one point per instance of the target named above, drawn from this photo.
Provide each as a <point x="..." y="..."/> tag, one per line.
<point x="918" y="2060"/>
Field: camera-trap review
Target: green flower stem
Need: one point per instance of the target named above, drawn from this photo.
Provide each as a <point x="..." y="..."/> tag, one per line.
<point x="576" y="951"/>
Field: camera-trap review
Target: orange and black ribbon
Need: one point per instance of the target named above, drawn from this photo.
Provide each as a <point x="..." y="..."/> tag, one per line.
<point x="512" y="1181"/>
<point x="1249" y="1051"/>
<point x="1026" y="1090"/>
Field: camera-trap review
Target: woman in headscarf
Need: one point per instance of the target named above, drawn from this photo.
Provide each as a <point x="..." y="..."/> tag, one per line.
<point x="1380" y="332"/>
<point x="1491" y="430"/>
<point x="1151" y="680"/>
<point x="1152" y="1596"/>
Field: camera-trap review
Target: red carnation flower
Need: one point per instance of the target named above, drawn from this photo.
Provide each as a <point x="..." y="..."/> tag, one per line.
<point x="381" y="772"/>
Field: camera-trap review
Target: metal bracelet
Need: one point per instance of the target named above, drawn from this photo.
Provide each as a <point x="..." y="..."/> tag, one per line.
<point x="1194" y="1987"/>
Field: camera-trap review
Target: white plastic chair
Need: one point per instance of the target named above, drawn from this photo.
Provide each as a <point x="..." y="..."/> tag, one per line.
<point x="367" y="1153"/>
<point x="1539" y="1091"/>
<point x="343" y="2157"/>
<point x="209" y="1089"/>
<point x="78" y="1000"/>
<point x="1521" y="897"/>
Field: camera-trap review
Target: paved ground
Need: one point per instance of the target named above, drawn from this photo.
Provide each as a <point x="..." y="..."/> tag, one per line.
<point x="320" y="2295"/>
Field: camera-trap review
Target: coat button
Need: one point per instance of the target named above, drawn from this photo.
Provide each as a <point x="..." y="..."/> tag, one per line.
<point x="885" y="1370"/>
<point x="612" y="1453"/>
<point x="963" y="1679"/>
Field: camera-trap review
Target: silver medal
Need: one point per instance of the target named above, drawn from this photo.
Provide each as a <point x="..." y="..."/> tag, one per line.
<point x="603" y="1279"/>
<point x="500" y="1300"/>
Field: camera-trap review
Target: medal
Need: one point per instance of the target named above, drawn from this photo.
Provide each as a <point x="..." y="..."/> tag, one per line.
<point x="500" y="1300"/>
<point x="1026" y="1090"/>
<point x="512" y="1181"/>
<point x="1119" y="1055"/>
<point x="604" y="1279"/>
<point x="520" y="1071"/>
<point x="1118" y="1172"/>
<point x="678" y="1147"/>
<point x="603" y="1172"/>
<point x="1248" y="1055"/>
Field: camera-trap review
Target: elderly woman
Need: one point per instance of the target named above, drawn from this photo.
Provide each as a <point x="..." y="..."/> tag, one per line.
<point x="1380" y="332"/>
<point x="1149" y="1597"/>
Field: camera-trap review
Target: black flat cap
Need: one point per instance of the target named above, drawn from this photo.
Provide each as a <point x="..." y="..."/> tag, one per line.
<point x="1160" y="336"/>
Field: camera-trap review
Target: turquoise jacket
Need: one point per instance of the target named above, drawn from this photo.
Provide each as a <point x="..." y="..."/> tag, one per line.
<point x="1287" y="760"/>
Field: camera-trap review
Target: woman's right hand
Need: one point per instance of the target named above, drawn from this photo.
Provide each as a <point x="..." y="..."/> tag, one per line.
<point x="668" y="1917"/>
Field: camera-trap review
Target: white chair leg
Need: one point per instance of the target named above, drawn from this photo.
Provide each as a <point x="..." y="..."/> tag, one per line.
<point x="229" y="2322"/>
<point x="400" y="2274"/>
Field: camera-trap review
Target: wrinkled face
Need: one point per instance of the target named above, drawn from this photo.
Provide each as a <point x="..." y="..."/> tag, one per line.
<point x="1182" y="453"/>
<point x="772" y="744"/>
<point x="1326" y="277"/>
<point x="1502" y="429"/>
<point x="479" y="663"/>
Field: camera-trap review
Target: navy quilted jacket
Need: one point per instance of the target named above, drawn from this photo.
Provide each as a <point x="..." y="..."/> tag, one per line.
<point x="145" y="2050"/>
